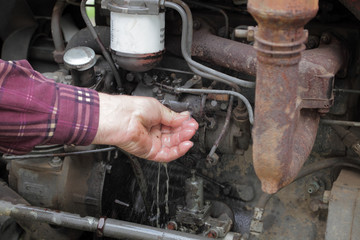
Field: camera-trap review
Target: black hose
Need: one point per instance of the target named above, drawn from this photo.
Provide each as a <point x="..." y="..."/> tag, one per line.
<point x="105" y="53"/>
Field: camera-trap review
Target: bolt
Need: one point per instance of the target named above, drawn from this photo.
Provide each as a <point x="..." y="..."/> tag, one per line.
<point x="251" y="34"/>
<point x="325" y="38"/>
<point x="55" y="162"/>
<point x="213" y="103"/>
<point x="313" y="42"/>
<point x="130" y="77"/>
<point x="171" y="225"/>
<point x="212" y="159"/>
<point x="108" y="168"/>
<point x="223" y="106"/>
<point x="155" y="89"/>
<point x="212" y="234"/>
<point x="197" y="24"/>
<point x="313" y="187"/>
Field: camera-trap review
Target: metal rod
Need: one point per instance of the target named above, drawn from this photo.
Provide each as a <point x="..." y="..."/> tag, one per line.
<point x="56" y="31"/>
<point x="340" y="122"/>
<point x="172" y="70"/>
<point x="347" y="90"/>
<point x="106" y="227"/>
<point x="223" y="130"/>
<point x="31" y="156"/>
<point x="236" y="94"/>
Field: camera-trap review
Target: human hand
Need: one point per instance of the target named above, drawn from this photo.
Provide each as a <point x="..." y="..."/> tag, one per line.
<point x="144" y="127"/>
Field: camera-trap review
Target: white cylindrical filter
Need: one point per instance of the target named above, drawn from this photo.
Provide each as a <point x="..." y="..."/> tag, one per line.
<point x="137" y="34"/>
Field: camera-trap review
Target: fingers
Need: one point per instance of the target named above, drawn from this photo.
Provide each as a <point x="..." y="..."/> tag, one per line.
<point x="173" y="119"/>
<point x="169" y="154"/>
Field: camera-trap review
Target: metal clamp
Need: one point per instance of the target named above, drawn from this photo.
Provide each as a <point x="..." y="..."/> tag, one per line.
<point x="148" y="7"/>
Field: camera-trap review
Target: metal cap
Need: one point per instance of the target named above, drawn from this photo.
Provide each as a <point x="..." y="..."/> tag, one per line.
<point x="80" y="58"/>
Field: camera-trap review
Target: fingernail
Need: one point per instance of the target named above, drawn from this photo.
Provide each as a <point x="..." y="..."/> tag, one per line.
<point x="186" y="113"/>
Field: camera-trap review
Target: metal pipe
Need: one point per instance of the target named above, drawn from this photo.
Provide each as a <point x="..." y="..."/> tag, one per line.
<point x="106" y="227"/>
<point x="340" y="122"/>
<point x="223" y="130"/>
<point x="186" y="43"/>
<point x="32" y="156"/>
<point x="236" y="94"/>
<point x="282" y="135"/>
<point x="56" y="31"/>
<point x="347" y="91"/>
<point x="242" y="57"/>
<point x="105" y="53"/>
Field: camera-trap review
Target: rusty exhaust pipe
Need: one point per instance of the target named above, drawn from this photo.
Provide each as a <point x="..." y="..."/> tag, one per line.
<point x="283" y="132"/>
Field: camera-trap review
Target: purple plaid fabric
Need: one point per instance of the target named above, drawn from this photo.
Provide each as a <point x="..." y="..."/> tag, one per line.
<point x="35" y="110"/>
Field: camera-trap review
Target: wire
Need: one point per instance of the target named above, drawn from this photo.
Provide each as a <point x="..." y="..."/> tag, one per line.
<point x="101" y="45"/>
<point x="31" y="156"/>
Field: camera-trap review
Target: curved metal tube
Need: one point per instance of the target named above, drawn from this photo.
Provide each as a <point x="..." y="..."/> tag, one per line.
<point x="186" y="46"/>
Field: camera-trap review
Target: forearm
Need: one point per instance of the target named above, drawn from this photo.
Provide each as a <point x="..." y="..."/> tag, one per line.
<point x="36" y="110"/>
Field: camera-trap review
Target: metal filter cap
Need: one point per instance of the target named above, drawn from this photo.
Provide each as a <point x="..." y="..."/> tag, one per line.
<point x="79" y="58"/>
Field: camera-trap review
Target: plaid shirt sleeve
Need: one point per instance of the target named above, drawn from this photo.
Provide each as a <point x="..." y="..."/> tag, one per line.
<point x="35" y="110"/>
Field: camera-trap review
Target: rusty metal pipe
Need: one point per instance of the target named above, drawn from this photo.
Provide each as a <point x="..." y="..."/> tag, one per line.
<point x="283" y="134"/>
<point x="242" y="57"/>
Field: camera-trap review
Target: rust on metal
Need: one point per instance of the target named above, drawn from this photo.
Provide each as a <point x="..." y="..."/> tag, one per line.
<point x="283" y="135"/>
<point x="223" y="52"/>
<point x="242" y="57"/>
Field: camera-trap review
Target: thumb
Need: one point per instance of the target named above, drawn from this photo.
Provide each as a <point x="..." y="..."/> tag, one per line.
<point x="173" y="119"/>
